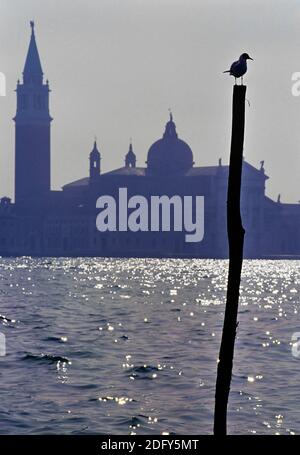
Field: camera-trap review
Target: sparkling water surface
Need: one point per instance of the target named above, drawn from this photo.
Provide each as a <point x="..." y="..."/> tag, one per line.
<point x="129" y="346"/>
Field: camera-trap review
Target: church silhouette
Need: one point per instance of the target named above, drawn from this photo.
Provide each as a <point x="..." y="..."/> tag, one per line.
<point x="43" y="222"/>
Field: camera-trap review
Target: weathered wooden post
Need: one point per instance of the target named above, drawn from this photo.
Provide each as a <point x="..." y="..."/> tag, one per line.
<point x="236" y="233"/>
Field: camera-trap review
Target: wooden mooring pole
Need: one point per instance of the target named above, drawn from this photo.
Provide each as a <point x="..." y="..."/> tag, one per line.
<point x="236" y="233"/>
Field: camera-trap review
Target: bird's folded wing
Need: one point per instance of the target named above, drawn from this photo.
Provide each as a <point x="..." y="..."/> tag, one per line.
<point x="234" y="66"/>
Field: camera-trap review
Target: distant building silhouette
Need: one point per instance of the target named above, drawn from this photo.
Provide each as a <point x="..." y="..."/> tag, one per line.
<point x="42" y="222"/>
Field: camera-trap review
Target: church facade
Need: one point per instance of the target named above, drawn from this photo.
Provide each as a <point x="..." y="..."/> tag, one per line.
<point x="43" y="222"/>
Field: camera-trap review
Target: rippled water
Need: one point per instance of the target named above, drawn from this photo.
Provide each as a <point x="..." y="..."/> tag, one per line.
<point x="130" y="346"/>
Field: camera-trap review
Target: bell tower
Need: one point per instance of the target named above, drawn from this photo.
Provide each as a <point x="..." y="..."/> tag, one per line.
<point x="32" y="129"/>
<point x="95" y="159"/>
<point x="130" y="158"/>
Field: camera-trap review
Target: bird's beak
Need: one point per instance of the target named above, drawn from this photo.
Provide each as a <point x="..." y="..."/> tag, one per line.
<point x="250" y="58"/>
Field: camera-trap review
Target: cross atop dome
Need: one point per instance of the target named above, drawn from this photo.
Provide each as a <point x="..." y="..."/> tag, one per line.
<point x="170" y="131"/>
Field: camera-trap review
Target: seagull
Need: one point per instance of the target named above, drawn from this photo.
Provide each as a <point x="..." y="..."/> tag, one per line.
<point x="239" y="68"/>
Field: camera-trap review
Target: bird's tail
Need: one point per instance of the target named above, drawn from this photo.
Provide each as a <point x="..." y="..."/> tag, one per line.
<point x="227" y="71"/>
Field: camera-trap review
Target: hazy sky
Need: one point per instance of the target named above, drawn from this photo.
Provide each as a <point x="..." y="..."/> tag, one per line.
<point x="116" y="66"/>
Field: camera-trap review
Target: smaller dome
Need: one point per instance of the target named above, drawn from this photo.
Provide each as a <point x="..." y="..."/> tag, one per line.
<point x="169" y="155"/>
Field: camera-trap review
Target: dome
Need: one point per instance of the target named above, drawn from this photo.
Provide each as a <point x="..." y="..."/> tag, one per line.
<point x="169" y="155"/>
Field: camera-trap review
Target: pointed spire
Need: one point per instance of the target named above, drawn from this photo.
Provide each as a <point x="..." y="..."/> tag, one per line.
<point x="33" y="72"/>
<point x="95" y="150"/>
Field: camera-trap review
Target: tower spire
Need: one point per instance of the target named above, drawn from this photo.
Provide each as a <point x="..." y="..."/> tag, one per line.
<point x="95" y="159"/>
<point x="32" y="72"/>
<point x="130" y="157"/>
